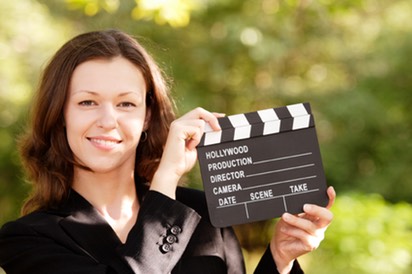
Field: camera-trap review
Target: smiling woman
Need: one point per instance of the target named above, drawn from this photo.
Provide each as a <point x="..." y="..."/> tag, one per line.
<point x="94" y="177"/>
<point x="105" y="115"/>
<point x="67" y="76"/>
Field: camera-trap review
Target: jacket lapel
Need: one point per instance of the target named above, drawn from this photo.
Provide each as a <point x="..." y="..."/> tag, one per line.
<point x="92" y="233"/>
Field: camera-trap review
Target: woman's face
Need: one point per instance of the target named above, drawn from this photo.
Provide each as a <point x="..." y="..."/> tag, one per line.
<point x="105" y="113"/>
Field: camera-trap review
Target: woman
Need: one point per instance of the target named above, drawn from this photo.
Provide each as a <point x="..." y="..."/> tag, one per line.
<point x="105" y="156"/>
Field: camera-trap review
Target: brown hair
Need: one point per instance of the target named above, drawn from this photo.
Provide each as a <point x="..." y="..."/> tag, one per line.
<point x="44" y="149"/>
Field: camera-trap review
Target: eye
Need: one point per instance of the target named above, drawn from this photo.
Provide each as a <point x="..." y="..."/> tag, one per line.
<point x="126" y="104"/>
<point x="87" y="103"/>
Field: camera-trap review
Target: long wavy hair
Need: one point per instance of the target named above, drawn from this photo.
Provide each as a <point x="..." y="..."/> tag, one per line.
<point x="45" y="152"/>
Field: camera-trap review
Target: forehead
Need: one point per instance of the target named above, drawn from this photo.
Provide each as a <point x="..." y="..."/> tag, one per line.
<point x="114" y="74"/>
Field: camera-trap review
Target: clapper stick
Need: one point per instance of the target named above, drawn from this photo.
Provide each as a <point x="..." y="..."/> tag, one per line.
<point x="262" y="164"/>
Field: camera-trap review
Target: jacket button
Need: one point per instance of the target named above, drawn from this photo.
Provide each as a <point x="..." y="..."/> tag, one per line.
<point x="175" y="230"/>
<point x="165" y="247"/>
<point x="171" y="239"/>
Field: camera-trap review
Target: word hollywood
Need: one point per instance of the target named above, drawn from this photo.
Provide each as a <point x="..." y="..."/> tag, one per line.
<point x="226" y="152"/>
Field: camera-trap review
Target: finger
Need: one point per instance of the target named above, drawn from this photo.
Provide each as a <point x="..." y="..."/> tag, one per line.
<point x="207" y="116"/>
<point x="193" y="138"/>
<point x="219" y="115"/>
<point x="320" y="216"/>
<point x="317" y="214"/>
<point x="309" y="241"/>
<point x="187" y="130"/>
<point x="199" y="113"/>
<point x="214" y="123"/>
<point x="332" y="196"/>
<point x="300" y="223"/>
<point x="193" y="130"/>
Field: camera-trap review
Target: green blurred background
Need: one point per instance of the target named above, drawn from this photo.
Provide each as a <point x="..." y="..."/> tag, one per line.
<point x="350" y="59"/>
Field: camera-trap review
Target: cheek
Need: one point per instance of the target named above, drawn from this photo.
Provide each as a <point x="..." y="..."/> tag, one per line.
<point x="133" y="128"/>
<point x="75" y="127"/>
<point x="72" y="135"/>
<point x="75" y="130"/>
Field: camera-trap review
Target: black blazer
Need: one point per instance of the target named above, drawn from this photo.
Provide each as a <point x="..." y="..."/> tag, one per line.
<point x="170" y="236"/>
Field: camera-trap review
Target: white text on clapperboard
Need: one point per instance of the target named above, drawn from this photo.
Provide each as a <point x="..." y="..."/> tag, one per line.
<point x="221" y="164"/>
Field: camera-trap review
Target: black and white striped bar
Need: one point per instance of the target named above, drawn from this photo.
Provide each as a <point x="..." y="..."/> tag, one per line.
<point x="262" y="122"/>
<point x="261" y="164"/>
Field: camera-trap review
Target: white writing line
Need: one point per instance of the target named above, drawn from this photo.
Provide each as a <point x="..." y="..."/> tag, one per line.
<point x="280" y="170"/>
<point x="280" y="182"/>
<point x="270" y="198"/>
<point x="247" y="211"/>
<point x="284" y="203"/>
<point x="282" y="158"/>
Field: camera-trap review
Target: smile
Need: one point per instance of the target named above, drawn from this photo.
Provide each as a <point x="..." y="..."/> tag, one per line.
<point x="104" y="142"/>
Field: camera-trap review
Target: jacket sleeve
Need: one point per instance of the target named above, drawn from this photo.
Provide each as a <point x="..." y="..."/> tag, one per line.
<point x="267" y="265"/>
<point x="162" y="232"/>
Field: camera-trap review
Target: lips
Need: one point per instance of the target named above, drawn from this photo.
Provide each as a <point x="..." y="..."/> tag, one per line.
<point x="104" y="142"/>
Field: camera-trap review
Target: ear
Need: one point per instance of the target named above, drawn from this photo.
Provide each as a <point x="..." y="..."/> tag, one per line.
<point x="147" y="119"/>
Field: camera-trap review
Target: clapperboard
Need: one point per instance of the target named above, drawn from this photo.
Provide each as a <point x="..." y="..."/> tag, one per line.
<point x="261" y="164"/>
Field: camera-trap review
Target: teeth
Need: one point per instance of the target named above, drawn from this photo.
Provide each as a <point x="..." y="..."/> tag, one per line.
<point x="104" y="142"/>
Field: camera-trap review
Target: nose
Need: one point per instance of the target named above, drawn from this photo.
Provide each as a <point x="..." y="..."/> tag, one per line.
<point x="107" y="117"/>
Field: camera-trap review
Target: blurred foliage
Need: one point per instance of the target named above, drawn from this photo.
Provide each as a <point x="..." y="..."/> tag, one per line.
<point x="176" y="13"/>
<point x="349" y="59"/>
<point x="368" y="235"/>
<point x="26" y="42"/>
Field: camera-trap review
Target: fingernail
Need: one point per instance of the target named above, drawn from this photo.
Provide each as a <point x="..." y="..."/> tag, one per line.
<point x="286" y="216"/>
<point x="307" y="207"/>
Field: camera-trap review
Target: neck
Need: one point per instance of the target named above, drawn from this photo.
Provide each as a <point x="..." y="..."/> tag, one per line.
<point x="104" y="188"/>
<point x="113" y="195"/>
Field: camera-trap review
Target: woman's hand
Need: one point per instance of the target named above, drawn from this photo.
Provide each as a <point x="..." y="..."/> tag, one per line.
<point x="298" y="235"/>
<point x="179" y="154"/>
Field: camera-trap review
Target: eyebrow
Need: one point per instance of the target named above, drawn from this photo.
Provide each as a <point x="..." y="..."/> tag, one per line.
<point x="122" y="94"/>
